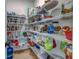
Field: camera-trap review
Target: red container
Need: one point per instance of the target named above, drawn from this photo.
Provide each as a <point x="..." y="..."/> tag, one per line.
<point x="31" y="43"/>
<point x="68" y="35"/>
<point x="15" y="42"/>
<point x="68" y="32"/>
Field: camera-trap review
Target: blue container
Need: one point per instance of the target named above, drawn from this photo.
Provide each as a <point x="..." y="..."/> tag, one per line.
<point x="9" y="52"/>
<point x="51" y="29"/>
<point x="37" y="46"/>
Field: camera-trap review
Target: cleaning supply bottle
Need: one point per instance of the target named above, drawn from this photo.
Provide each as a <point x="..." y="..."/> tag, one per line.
<point x="48" y="46"/>
<point x="9" y="52"/>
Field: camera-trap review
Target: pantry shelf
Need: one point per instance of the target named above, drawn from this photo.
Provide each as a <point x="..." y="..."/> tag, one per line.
<point x="57" y="36"/>
<point x="67" y="14"/>
<point x="47" y="20"/>
<point x="20" y="48"/>
<point x="54" y="19"/>
<point x="54" y="53"/>
<point x="37" y="53"/>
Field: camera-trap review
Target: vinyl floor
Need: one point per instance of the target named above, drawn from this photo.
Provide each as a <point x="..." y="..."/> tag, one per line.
<point x="24" y="54"/>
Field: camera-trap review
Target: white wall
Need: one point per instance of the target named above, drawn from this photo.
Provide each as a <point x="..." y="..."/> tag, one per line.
<point x="19" y="6"/>
<point x="38" y="3"/>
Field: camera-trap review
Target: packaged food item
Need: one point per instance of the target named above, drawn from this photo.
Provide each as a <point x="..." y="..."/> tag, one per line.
<point x="45" y="17"/>
<point x="9" y="33"/>
<point x="45" y="27"/>
<point x="66" y="8"/>
<point x="68" y="51"/>
<point x="63" y="45"/>
<point x="39" y="40"/>
<point x="31" y="43"/>
<point x="16" y="42"/>
<point x="66" y="28"/>
<point x="58" y="28"/>
<point x="69" y="35"/>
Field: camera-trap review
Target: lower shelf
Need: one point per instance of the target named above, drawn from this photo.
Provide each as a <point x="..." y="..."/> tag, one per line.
<point x="20" y="48"/>
<point x="55" y="53"/>
<point x="38" y="53"/>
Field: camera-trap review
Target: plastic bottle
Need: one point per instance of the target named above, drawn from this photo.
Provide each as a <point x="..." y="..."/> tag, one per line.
<point x="51" y="29"/>
<point x="48" y="45"/>
<point x="9" y="52"/>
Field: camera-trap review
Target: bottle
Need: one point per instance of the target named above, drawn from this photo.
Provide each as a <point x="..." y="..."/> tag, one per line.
<point x="51" y="29"/>
<point x="48" y="46"/>
<point x="9" y="52"/>
<point x="54" y="43"/>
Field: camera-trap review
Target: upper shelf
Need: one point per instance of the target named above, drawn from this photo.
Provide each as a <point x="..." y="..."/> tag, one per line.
<point x="47" y="20"/>
<point x="54" y="19"/>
